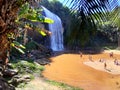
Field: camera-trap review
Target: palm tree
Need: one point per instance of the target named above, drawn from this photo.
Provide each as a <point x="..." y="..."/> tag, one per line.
<point x="8" y="14"/>
<point x="90" y="7"/>
<point x="88" y="13"/>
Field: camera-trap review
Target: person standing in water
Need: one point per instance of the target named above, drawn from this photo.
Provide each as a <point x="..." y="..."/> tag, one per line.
<point x="105" y="65"/>
<point x="80" y="54"/>
<point x="111" y="54"/>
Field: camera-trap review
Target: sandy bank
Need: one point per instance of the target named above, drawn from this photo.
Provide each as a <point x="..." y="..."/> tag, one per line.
<point x="81" y="72"/>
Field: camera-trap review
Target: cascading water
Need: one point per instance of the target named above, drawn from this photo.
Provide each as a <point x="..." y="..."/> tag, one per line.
<point x="56" y="28"/>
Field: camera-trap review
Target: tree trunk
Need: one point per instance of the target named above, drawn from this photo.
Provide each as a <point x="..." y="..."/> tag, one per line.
<point x="4" y="49"/>
<point x="8" y="14"/>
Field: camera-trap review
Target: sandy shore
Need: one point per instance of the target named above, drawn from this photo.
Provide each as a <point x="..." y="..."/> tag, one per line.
<point x="110" y="68"/>
<point x="81" y="72"/>
<point x="114" y="51"/>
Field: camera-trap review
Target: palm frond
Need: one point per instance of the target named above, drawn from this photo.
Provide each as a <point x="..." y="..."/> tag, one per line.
<point x="89" y="13"/>
<point x="91" y="7"/>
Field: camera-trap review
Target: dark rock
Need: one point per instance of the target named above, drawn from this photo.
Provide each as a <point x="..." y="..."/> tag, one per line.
<point x="4" y="85"/>
<point x="41" y="54"/>
<point x="10" y="72"/>
<point x="17" y="76"/>
<point x="1" y="70"/>
<point x="37" y="54"/>
<point x="42" y="61"/>
<point x="26" y="77"/>
<point x="16" y="80"/>
<point x="9" y="65"/>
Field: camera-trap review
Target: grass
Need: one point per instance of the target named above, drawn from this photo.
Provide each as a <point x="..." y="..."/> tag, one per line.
<point x="62" y="85"/>
<point x="22" y="85"/>
<point x="27" y="66"/>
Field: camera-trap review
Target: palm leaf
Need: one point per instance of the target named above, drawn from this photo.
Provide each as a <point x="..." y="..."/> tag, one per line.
<point x="18" y="46"/>
<point x="90" y="7"/>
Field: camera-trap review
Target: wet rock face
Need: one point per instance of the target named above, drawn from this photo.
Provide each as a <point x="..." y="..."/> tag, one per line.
<point x="4" y="85"/>
<point x="38" y="56"/>
<point x="42" y="61"/>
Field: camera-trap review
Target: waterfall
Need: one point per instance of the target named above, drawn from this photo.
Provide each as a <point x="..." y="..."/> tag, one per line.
<point x="56" y="39"/>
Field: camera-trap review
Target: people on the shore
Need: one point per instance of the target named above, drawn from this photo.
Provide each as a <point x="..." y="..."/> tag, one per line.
<point x="80" y="54"/>
<point x="116" y="62"/>
<point x="105" y="65"/>
<point x="111" y="54"/>
<point x="101" y="60"/>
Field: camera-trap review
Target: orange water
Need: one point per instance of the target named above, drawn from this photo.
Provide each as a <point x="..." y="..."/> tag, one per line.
<point x="69" y="68"/>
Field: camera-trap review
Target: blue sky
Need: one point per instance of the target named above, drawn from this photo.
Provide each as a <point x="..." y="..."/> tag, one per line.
<point x="64" y="2"/>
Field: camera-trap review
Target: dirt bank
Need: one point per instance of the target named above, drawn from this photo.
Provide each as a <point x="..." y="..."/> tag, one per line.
<point x="39" y="84"/>
<point x="71" y="69"/>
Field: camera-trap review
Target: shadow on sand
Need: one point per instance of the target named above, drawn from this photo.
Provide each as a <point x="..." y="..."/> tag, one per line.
<point x="83" y="51"/>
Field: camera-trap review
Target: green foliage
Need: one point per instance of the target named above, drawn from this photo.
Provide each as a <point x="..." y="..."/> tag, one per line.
<point x="31" y="46"/>
<point x="15" y="43"/>
<point x="110" y="32"/>
<point x="32" y="14"/>
<point x="18" y="46"/>
<point x="81" y="30"/>
<point x="21" y="85"/>
<point x="115" y="17"/>
<point x="27" y="16"/>
<point x="25" y="67"/>
<point x="42" y="33"/>
<point x="23" y="10"/>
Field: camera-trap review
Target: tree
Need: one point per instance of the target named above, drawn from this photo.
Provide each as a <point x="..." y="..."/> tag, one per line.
<point x="9" y="23"/>
<point x="115" y="18"/>
<point x="8" y="15"/>
<point x="87" y="15"/>
<point x="90" y="7"/>
<point x="110" y="27"/>
<point x="81" y="29"/>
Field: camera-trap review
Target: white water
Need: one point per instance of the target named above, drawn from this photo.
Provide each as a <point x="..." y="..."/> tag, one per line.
<point x="56" y="28"/>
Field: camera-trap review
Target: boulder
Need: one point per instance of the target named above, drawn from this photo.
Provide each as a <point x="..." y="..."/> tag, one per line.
<point x="42" y="61"/>
<point x="16" y="80"/>
<point x="10" y="72"/>
<point x="4" y="85"/>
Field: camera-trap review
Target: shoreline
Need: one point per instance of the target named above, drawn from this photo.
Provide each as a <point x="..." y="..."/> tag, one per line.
<point x="70" y="69"/>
